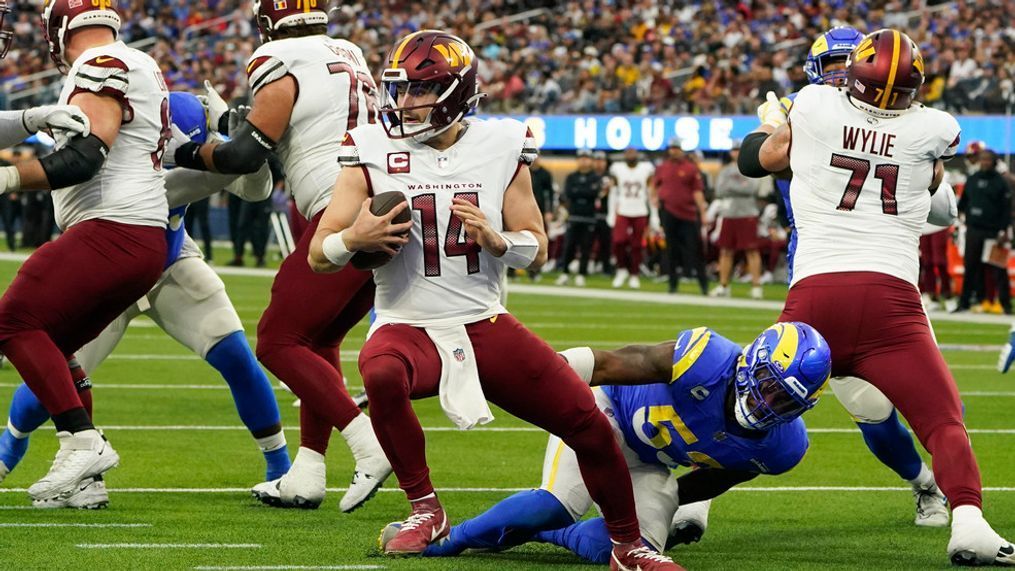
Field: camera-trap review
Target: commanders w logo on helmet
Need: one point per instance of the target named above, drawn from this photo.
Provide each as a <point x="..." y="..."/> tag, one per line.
<point x="885" y="71"/>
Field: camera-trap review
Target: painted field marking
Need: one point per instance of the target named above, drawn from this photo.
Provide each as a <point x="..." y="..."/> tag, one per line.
<point x="74" y="524"/>
<point x="169" y="545"/>
<point x="281" y="567"/>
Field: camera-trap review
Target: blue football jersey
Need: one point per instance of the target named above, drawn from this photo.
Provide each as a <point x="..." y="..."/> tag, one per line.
<point x="175" y="232"/>
<point x="683" y="422"/>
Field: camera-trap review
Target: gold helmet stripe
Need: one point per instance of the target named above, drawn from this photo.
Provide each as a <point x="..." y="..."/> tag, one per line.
<point x="896" y="48"/>
<point x="401" y="47"/>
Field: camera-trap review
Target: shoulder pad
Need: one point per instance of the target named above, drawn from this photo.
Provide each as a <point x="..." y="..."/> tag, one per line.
<point x="105" y="75"/>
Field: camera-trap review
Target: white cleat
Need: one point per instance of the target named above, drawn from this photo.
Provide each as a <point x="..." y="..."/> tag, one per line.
<point x="364" y="486"/>
<point x="562" y="279"/>
<point x="975" y="543"/>
<point x="634" y="282"/>
<point x="579" y="280"/>
<point x="757" y="292"/>
<point x="82" y="455"/>
<point x="301" y="487"/>
<point x="689" y="524"/>
<point x="619" y="278"/>
<point x="90" y="494"/>
<point x="931" y="507"/>
<point x="719" y="291"/>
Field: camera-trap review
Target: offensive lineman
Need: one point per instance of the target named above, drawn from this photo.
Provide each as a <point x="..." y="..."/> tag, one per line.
<point x="866" y="160"/>
<point x="109" y="196"/>
<point x="190" y="304"/>
<point x="629" y="209"/>
<point x="307" y="90"/>
<point x="474" y="215"/>
<point x="875" y="416"/>
<point x="732" y="412"/>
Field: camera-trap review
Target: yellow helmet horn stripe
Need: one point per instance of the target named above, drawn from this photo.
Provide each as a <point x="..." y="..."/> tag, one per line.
<point x="401" y="47"/>
<point x="896" y="48"/>
<point x="786" y="348"/>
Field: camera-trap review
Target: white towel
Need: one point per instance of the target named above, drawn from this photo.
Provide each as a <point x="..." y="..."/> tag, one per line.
<point x="461" y="394"/>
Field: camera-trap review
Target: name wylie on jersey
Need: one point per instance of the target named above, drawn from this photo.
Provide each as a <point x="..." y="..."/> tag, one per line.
<point x="868" y="141"/>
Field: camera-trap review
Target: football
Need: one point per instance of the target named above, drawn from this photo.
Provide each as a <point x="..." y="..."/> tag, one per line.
<point x="381" y="204"/>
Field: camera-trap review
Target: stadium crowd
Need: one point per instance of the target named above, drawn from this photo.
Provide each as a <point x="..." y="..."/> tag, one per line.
<point x="590" y="56"/>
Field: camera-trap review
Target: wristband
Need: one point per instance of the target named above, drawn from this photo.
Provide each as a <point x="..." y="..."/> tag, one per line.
<point x="522" y="249"/>
<point x="335" y="250"/>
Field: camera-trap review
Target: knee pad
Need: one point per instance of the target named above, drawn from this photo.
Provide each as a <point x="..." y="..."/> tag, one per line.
<point x="862" y="400"/>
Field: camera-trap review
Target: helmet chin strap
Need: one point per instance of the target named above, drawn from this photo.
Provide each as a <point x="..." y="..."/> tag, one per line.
<point x="741" y="414"/>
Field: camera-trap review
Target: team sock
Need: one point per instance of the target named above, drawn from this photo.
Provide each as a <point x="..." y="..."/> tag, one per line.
<point x="893" y="445"/>
<point x="588" y="539"/>
<point x="510" y="522"/>
<point x="924" y="479"/>
<point x="254" y="398"/>
<point x="13" y="445"/>
<point x="26" y="413"/>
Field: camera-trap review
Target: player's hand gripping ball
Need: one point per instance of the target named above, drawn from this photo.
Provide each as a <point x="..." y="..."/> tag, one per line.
<point x="380" y="205"/>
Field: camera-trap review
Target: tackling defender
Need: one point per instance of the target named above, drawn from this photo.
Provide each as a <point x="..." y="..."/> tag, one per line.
<point x="734" y="413"/>
<point x="308" y="90"/>
<point x="875" y="416"/>
<point x="191" y="305"/>
<point x="856" y="264"/>
<point x="474" y="215"/>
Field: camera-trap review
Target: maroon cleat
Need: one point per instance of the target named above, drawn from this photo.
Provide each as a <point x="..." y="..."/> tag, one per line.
<point x="637" y="556"/>
<point x="427" y="524"/>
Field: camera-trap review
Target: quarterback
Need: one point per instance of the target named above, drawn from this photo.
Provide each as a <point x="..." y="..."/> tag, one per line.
<point x="190" y="303"/>
<point x="733" y="413"/>
<point x="866" y="160"/>
<point x="308" y="90"/>
<point x="468" y="188"/>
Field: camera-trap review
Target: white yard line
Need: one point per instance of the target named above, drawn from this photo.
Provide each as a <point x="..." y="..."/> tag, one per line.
<point x="169" y="545"/>
<point x="755" y="489"/>
<point x="75" y="524"/>
<point x="280" y="567"/>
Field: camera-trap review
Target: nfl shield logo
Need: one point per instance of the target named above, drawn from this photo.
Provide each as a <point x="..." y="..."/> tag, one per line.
<point x="280" y="4"/>
<point x="459" y="355"/>
<point x="442" y="162"/>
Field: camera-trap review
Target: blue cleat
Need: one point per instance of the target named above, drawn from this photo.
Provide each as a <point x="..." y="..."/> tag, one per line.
<point x="1007" y="355"/>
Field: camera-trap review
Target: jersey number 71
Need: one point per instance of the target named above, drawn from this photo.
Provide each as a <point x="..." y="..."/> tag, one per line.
<point x="887" y="173"/>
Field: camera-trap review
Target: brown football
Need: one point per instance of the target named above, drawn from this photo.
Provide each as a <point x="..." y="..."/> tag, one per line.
<point x="381" y="204"/>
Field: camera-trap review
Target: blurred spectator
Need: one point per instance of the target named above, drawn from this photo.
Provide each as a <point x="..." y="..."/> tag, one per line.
<point x="680" y="198"/>
<point x="935" y="282"/>
<point x="545" y="192"/>
<point x="629" y="214"/>
<point x="604" y="227"/>
<point x="581" y="193"/>
<point x="985" y="207"/>
<point x="738" y="213"/>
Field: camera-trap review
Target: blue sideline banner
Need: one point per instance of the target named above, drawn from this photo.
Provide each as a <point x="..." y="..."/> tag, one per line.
<point x="704" y="132"/>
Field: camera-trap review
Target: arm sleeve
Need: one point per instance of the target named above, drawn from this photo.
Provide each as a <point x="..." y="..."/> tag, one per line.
<point x="12" y="128"/>
<point x="707" y="483"/>
<point x="184" y="186"/>
<point x="529" y="150"/>
<point x="105" y="75"/>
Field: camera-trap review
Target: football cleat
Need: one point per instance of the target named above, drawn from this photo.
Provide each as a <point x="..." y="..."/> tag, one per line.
<point x="931" y="507"/>
<point x="689" y="524"/>
<point x="579" y="280"/>
<point x="634" y="282"/>
<point x="719" y="291"/>
<point x="363" y="487"/>
<point x="562" y="279"/>
<point x="90" y="494"/>
<point x="427" y="524"/>
<point x="301" y="487"/>
<point x="1007" y="355"/>
<point x="757" y="292"/>
<point x="976" y="543"/>
<point x="82" y="455"/>
<point x="620" y="277"/>
<point x="639" y="557"/>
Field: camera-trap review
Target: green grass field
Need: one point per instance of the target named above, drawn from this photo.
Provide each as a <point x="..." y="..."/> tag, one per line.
<point x="186" y="463"/>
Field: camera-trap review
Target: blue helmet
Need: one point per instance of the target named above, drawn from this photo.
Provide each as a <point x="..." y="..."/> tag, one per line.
<point x="836" y="43"/>
<point x="781" y="375"/>
<point x="189" y="115"/>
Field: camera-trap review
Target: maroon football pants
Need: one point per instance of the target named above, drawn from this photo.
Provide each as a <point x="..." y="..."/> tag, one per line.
<point x="628" y="238"/>
<point x="877" y="330"/>
<point x="520" y="373"/>
<point x="67" y="292"/>
<point x="299" y="336"/>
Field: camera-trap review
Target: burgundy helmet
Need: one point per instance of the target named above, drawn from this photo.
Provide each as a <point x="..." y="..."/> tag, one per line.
<point x="273" y="15"/>
<point x="6" y="35"/>
<point x="60" y="17"/>
<point x="885" y="71"/>
<point x="424" y="63"/>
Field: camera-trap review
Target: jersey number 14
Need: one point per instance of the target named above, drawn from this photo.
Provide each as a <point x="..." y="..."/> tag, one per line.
<point x="456" y="242"/>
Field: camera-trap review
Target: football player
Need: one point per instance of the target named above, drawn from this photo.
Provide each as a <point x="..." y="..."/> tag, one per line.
<point x="307" y="89"/>
<point x="734" y="413"/>
<point x="110" y="200"/>
<point x="629" y="214"/>
<point x="468" y="188"/>
<point x="875" y="416"/>
<point x="868" y="160"/>
<point x="190" y="304"/>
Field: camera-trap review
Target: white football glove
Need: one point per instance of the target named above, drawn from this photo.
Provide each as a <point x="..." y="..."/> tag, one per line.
<point x="214" y="105"/>
<point x="179" y="138"/>
<point x="771" y="112"/>
<point x="68" y="120"/>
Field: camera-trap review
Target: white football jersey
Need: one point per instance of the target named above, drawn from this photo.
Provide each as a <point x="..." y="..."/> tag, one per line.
<point x="334" y="93"/>
<point x="629" y="197"/>
<point x="859" y="189"/>
<point x="441" y="276"/>
<point x="130" y="187"/>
